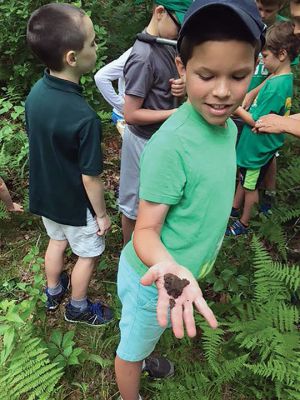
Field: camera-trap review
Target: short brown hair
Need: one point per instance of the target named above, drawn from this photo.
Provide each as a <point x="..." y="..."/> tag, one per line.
<point x="281" y="3"/>
<point x="280" y="36"/>
<point x="54" y="29"/>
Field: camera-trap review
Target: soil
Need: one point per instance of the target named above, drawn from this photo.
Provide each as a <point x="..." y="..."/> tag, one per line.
<point x="172" y="303"/>
<point x="174" y="286"/>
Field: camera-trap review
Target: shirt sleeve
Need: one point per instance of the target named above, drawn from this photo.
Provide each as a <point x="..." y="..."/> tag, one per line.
<point x="109" y="73"/>
<point x="162" y="175"/>
<point x="90" y="153"/>
<point x="139" y="76"/>
<point x="271" y="102"/>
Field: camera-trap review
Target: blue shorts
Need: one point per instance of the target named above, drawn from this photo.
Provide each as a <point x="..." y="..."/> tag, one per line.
<point x="139" y="328"/>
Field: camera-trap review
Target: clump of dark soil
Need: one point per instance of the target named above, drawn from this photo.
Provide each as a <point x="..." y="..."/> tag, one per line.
<point x="172" y="303"/>
<point x="174" y="285"/>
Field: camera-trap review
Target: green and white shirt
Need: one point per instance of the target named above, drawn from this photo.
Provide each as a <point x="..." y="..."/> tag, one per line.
<point x="189" y="165"/>
<point x="255" y="150"/>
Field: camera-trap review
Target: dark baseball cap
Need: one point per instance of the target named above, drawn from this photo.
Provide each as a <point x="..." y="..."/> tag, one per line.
<point x="246" y="10"/>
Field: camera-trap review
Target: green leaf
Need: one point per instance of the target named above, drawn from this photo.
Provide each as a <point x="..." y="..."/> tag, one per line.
<point x="56" y="337"/>
<point x="218" y="285"/>
<point x="67" y="339"/>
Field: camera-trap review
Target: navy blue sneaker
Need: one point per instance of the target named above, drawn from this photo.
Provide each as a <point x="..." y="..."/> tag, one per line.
<point x="265" y="209"/>
<point x="235" y="213"/>
<point x="53" y="301"/>
<point x="158" y="367"/>
<point x="236" y="229"/>
<point x="95" y="314"/>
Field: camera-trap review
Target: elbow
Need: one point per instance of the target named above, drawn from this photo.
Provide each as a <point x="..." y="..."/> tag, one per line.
<point x="129" y="117"/>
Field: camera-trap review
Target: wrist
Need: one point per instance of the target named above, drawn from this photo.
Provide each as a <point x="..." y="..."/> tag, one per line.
<point x="102" y="215"/>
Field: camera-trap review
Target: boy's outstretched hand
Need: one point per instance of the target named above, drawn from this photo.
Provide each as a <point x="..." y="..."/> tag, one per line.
<point x="182" y="310"/>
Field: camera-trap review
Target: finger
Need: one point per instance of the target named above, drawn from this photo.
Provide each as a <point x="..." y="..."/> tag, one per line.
<point x="206" y="312"/>
<point x="162" y="308"/>
<point x="188" y="317"/>
<point x="177" y="320"/>
<point x="150" y="277"/>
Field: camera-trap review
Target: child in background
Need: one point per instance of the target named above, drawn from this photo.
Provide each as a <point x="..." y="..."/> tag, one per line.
<point x="104" y="81"/>
<point x="151" y="84"/>
<point x="273" y="123"/>
<point x="187" y="183"/>
<point x="7" y="200"/>
<point x="256" y="152"/>
<point x="65" y="157"/>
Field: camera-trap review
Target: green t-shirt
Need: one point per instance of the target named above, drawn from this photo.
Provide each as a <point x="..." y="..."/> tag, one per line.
<point x="255" y="150"/>
<point x="189" y="165"/>
<point x="261" y="73"/>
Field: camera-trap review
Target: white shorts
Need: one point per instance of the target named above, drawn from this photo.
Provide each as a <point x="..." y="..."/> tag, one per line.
<point x="83" y="240"/>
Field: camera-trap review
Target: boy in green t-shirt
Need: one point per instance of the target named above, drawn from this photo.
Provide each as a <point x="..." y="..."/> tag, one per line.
<point x="187" y="183"/>
<point x="256" y="152"/>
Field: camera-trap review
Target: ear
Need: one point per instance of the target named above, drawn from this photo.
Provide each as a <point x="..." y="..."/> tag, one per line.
<point x="70" y="58"/>
<point x="282" y="56"/>
<point x="159" y="12"/>
<point x="180" y="68"/>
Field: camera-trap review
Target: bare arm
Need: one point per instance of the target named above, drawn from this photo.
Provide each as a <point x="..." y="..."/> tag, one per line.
<point x="245" y="115"/>
<point x="95" y="192"/>
<point x="7" y="200"/>
<point x="153" y="253"/>
<point x="273" y="123"/>
<point x="136" y="115"/>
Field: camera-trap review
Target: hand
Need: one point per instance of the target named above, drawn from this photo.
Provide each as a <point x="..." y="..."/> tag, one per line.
<point x="182" y="312"/>
<point x="271" y="123"/>
<point x="16" y="207"/>
<point x="104" y="224"/>
<point x="177" y="87"/>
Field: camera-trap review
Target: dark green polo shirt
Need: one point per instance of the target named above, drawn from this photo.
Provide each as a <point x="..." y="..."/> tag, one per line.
<point x="64" y="143"/>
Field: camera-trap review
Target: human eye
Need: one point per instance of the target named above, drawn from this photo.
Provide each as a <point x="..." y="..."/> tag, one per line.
<point x="239" y="77"/>
<point x="204" y="77"/>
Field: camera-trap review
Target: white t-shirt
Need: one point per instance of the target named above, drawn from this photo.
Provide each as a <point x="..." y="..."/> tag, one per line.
<point x="109" y="73"/>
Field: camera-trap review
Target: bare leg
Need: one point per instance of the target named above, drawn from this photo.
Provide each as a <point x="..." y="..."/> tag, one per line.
<point x="127" y="228"/>
<point x="54" y="261"/>
<point x="128" y="376"/>
<point x="251" y="198"/>
<point x="269" y="181"/>
<point x="81" y="277"/>
<point x="239" y="196"/>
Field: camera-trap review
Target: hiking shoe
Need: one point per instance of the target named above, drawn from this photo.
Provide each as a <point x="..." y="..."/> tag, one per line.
<point x="265" y="209"/>
<point x="95" y="314"/>
<point x="235" y="213"/>
<point x="53" y="301"/>
<point x="236" y="229"/>
<point x="158" y="367"/>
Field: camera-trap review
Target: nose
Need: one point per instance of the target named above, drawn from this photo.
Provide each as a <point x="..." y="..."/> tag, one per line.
<point x="221" y="89"/>
<point x="262" y="14"/>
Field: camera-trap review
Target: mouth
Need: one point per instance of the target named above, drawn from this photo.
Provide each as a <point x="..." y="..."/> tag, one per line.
<point x="219" y="109"/>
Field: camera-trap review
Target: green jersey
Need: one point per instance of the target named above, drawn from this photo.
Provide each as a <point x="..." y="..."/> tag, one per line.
<point x="261" y="73"/>
<point x="189" y="165"/>
<point x="255" y="150"/>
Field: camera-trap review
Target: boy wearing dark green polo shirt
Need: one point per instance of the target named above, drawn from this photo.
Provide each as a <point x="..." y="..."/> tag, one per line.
<point x="65" y="157"/>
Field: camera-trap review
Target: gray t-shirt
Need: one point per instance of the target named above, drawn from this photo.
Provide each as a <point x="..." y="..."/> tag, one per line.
<point x="147" y="73"/>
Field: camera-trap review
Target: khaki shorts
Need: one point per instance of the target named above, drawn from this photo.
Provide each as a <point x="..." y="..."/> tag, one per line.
<point x="83" y="240"/>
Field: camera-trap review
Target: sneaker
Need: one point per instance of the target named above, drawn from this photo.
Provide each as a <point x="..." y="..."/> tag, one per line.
<point x="265" y="209"/>
<point x="95" y="314"/>
<point x="235" y="213"/>
<point x="236" y="229"/>
<point x="53" y="301"/>
<point x="158" y="367"/>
